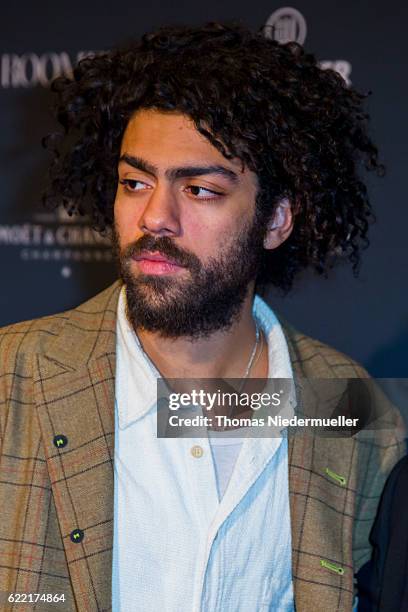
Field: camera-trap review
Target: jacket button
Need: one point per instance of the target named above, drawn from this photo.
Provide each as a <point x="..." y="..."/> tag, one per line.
<point x="77" y="536"/>
<point x="60" y="441"/>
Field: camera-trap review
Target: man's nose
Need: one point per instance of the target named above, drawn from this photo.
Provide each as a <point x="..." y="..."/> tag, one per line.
<point x="161" y="213"/>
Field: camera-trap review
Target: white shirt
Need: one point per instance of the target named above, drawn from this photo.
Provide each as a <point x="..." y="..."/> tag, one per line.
<point x="224" y="451"/>
<point x="177" y="547"/>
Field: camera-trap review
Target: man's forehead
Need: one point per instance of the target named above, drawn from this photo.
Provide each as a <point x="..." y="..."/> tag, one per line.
<point x="172" y="136"/>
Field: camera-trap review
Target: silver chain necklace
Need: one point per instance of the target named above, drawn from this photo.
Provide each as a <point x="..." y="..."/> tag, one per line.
<point x="248" y="368"/>
<point x="252" y="356"/>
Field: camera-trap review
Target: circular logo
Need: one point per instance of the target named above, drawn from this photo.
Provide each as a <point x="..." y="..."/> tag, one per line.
<point x="285" y="25"/>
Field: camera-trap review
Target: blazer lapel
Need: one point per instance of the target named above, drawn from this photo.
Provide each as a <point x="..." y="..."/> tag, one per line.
<point x="74" y="387"/>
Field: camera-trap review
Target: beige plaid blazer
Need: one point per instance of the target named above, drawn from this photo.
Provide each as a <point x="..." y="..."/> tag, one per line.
<point x="57" y="379"/>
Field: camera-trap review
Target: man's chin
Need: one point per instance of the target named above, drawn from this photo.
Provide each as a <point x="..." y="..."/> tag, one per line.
<point x="152" y="284"/>
<point x="150" y="293"/>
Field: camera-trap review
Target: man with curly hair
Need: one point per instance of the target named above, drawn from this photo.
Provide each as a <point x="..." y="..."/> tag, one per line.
<point x="221" y="162"/>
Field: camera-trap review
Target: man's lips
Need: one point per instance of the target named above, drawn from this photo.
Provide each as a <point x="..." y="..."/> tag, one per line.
<point x="155" y="263"/>
<point x="155" y="257"/>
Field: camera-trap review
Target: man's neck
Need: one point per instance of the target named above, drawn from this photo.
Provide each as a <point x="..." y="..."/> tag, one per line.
<point x="224" y="354"/>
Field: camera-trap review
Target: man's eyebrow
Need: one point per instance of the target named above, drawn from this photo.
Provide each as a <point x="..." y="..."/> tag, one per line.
<point x="138" y="163"/>
<point x="182" y="172"/>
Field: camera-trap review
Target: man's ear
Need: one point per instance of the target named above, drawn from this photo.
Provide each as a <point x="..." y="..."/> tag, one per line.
<point x="279" y="226"/>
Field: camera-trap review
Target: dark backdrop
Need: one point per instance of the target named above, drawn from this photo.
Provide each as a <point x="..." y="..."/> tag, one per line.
<point x="50" y="263"/>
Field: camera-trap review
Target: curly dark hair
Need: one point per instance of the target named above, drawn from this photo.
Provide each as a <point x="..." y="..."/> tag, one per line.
<point x="300" y="128"/>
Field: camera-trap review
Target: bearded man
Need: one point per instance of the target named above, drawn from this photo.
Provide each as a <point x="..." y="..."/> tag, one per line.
<point x="222" y="162"/>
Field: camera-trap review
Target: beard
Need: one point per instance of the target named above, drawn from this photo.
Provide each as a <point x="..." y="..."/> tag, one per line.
<point x="208" y="298"/>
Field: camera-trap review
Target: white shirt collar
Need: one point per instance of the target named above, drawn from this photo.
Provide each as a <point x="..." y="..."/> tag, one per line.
<point x="133" y="362"/>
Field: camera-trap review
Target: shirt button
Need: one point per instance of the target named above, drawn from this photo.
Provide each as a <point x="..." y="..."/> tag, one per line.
<point x="197" y="451"/>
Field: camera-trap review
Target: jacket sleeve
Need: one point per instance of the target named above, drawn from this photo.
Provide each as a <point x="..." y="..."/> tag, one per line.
<point x="379" y="446"/>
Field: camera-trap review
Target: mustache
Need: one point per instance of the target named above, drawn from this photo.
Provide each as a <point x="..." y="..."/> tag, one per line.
<point x="165" y="246"/>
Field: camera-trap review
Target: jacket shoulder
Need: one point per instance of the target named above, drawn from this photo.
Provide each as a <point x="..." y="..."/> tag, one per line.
<point x="315" y="359"/>
<point x="20" y="341"/>
<point x="29" y="337"/>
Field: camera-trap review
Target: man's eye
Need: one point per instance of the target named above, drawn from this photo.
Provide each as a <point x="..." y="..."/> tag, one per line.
<point x="132" y="184"/>
<point x="202" y="193"/>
